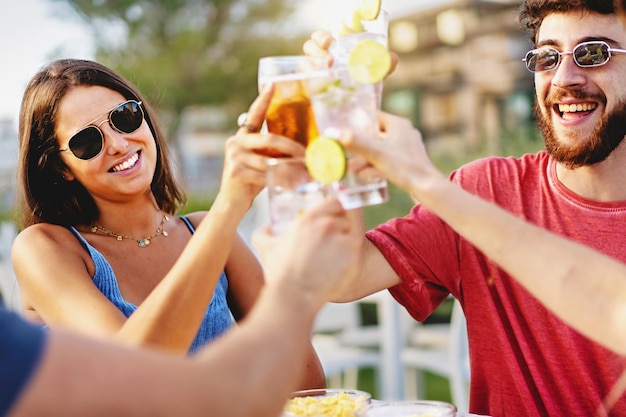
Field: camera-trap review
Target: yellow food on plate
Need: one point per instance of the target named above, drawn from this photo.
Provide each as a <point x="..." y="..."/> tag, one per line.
<point x="338" y="405"/>
<point x="369" y="62"/>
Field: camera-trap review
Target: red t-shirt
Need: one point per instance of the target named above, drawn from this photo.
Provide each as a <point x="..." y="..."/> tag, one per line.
<point x="524" y="360"/>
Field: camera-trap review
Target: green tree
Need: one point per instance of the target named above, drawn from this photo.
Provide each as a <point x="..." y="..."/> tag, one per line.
<point x="189" y="52"/>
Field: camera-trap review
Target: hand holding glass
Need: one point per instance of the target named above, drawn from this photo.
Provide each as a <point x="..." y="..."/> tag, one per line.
<point x="291" y="191"/>
<point x="340" y="103"/>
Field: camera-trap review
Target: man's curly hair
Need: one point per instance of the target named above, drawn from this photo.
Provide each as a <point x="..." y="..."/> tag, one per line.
<point x="532" y="12"/>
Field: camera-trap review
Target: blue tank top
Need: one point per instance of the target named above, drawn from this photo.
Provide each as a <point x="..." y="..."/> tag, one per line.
<point x="217" y="318"/>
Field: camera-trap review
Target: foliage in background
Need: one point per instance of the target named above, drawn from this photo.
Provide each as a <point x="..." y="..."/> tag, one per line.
<point x="183" y="53"/>
<point x="189" y="52"/>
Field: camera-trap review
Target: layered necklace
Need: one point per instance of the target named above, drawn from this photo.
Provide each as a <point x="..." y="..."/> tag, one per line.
<point x="160" y="231"/>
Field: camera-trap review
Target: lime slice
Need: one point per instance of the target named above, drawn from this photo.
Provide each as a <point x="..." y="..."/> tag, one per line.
<point x="369" y="62"/>
<point x="355" y="27"/>
<point x="369" y="9"/>
<point x="326" y="160"/>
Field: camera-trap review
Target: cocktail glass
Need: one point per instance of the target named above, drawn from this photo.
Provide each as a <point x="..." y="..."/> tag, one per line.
<point x="413" y="408"/>
<point x="291" y="191"/>
<point x="377" y="30"/>
<point x="340" y="103"/>
<point x="289" y="113"/>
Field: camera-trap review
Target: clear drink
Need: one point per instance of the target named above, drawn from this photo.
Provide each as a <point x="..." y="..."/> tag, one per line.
<point x="291" y="191"/>
<point x="345" y="43"/>
<point x="339" y="103"/>
<point x="376" y="30"/>
<point x="362" y="194"/>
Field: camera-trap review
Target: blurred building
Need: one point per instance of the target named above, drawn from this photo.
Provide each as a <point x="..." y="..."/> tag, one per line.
<point x="8" y="163"/>
<point x="202" y="134"/>
<point x="8" y="168"/>
<point x="461" y="78"/>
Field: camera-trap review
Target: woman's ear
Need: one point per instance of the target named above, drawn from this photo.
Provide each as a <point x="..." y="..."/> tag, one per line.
<point x="67" y="175"/>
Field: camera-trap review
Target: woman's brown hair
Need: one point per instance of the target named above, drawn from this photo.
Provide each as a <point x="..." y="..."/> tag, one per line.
<point x="43" y="195"/>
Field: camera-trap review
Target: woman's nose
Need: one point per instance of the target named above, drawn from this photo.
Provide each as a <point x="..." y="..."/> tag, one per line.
<point x="114" y="141"/>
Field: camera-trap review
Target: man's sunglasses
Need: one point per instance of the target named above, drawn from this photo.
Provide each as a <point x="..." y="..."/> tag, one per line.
<point x="89" y="141"/>
<point x="586" y="54"/>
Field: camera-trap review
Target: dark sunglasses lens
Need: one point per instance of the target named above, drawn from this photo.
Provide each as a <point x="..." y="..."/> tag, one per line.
<point x="128" y="117"/>
<point x="542" y="59"/>
<point x="87" y="143"/>
<point x="591" y="54"/>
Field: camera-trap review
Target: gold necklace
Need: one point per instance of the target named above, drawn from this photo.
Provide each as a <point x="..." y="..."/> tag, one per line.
<point x="160" y="231"/>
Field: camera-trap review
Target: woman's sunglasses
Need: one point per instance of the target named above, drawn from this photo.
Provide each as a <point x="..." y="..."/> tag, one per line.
<point x="586" y="54"/>
<point x="88" y="142"/>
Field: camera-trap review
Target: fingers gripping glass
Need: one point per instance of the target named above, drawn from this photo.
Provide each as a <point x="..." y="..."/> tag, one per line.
<point x="88" y="142"/>
<point x="586" y="54"/>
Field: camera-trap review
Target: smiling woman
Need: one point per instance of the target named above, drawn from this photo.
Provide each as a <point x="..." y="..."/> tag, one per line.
<point x="98" y="205"/>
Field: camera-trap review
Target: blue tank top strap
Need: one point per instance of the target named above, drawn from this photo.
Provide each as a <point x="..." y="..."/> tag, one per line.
<point x="188" y="224"/>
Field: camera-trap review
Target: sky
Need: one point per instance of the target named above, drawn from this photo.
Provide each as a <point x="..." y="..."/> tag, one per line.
<point x="32" y="32"/>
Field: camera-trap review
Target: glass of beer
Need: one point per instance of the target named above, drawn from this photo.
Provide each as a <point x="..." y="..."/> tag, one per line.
<point x="290" y="112"/>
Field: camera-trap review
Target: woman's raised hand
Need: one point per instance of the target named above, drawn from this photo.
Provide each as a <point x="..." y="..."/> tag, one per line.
<point x="243" y="176"/>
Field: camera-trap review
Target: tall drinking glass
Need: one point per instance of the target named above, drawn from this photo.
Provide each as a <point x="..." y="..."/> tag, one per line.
<point x="340" y="103"/>
<point x="377" y="30"/>
<point x="291" y="191"/>
<point x="290" y="112"/>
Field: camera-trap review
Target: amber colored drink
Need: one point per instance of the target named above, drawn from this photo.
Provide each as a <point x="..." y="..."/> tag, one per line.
<point x="290" y="113"/>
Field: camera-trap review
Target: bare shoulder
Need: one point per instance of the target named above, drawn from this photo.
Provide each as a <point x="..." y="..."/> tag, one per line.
<point x="196" y="217"/>
<point x="43" y="241"/>
<point x="43" y="234"/>
<point x="46" y="258"/>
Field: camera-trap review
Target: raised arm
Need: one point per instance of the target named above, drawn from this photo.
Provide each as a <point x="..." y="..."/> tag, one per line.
<point x="54" y="270"/>
<point x="241" y="374"/>
<point x="585" y="288"/>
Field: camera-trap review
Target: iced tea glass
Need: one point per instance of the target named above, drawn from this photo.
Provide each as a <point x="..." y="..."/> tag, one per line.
<point x="289" y="113"/>
<point x="340" y="103"/>
<point x="291" y="191"/>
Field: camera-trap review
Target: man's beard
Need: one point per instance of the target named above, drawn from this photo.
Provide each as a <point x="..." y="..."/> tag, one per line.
<point x="585" y="151"/>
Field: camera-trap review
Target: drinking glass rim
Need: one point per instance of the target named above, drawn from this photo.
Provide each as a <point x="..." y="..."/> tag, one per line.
<point x="292" y="159"/>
